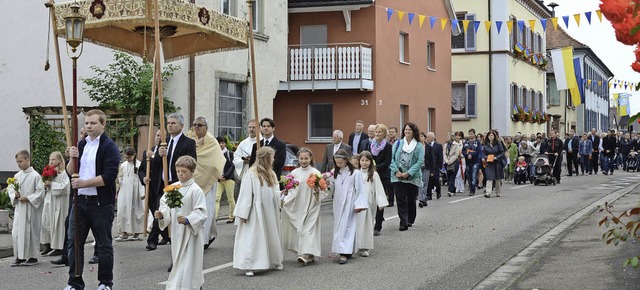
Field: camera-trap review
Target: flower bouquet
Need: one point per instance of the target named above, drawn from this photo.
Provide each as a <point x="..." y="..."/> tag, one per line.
<point x="13" y="182"/>
<point x="173" y="195"/>
<point x="49" y="172"/>
<point x="288" y="182"/>
<point x="317" y="181"/>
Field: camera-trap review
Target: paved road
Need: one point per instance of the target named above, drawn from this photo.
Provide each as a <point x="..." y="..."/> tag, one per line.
<point x="456" y="243"/>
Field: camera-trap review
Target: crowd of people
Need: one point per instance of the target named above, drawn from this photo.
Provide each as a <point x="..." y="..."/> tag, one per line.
<point x="383" y="167"/>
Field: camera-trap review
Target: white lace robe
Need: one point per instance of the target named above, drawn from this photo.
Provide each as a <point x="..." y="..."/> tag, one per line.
<point x="27" y="217"/>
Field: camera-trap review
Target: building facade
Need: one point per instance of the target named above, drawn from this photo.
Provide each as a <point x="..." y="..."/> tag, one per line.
<point x="348" y="62"/>
<point x="495" y="73"/>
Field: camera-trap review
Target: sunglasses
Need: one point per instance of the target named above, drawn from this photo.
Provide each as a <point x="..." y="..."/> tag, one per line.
<point x="198" y="125"/>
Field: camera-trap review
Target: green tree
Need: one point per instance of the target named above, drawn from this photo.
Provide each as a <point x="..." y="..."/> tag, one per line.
<point x="44" y="140"/>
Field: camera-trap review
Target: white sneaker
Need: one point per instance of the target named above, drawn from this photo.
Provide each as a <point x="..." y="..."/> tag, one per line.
<point x="103" y="287"/>
<point x="69" y="288"/>
<point x="365" y="253"/>
<point x="278" y="267"/>
<point x="249" y="273"/>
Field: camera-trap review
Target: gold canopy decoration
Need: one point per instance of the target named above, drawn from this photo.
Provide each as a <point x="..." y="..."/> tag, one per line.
<point x="185" y="29"/>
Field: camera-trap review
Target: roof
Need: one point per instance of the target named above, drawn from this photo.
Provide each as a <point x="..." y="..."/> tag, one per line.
<point x="560" y="38"/>
<point x="323" y="3"/>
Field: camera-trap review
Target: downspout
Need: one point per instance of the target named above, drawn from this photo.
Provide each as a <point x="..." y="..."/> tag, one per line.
<point x="192" y="84"/>
<point x="490" y="73"/>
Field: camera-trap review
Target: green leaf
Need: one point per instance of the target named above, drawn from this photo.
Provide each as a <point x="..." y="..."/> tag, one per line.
<point x="634" y="261"/>
<point x="634" y="117"/>
<point x="634" y="30"/>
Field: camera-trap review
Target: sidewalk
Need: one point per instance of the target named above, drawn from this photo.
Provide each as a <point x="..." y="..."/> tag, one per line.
<point x="581" y="260"/>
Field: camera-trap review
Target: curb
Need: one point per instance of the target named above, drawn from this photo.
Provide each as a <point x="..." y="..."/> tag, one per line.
<point x="512" y="270"/>
<point x="6" y="252"/>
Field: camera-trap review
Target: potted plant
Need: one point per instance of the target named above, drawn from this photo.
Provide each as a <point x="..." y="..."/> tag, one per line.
<point x="6" y="212"/>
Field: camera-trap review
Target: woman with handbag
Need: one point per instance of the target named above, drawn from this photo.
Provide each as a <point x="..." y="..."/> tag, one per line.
<point x="452" y="155"/>
<point x="494" y="156"/>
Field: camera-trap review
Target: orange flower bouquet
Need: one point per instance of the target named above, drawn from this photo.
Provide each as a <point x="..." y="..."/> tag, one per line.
<point x="173" y="195"/>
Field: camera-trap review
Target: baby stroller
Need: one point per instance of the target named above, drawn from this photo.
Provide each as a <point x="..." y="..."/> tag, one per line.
<point x="522" y="175"/>
<point x="543" y="171"/>
<point x="632" y="161"/>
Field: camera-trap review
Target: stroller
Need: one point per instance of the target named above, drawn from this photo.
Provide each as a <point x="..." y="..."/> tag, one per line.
<point x="632" y="161"/>
<point x="543" y="171"/>
<point x="522" y="176"/>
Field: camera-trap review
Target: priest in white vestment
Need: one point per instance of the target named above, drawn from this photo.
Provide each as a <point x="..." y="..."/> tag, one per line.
<point x="56" y="207"/>
<point x="243" y="152"/>
<point x="131" y="194"/>
<point x="27" y="217"/>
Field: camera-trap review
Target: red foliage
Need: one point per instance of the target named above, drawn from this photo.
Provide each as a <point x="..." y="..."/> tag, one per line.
<point x="636" y="67"/>
<point x="623" y="30"/>
<point x="620" y="13"/>
<point x="616" y="10"/>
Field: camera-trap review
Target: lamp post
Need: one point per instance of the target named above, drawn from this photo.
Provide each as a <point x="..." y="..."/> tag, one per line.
<point x="74" y="28"/>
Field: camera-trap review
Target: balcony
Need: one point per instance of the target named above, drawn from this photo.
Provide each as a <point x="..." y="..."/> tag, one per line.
<point x="343" y="66"/>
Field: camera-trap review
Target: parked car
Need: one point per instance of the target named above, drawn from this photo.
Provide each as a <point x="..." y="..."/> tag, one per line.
<point x="291" y="160"/>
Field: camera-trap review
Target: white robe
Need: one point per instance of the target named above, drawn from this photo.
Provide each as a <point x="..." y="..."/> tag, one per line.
<point x="187" y="241"/>
<point x="301" y="227"/>
<point x="459" y="184"/>
<point x="365" y="221"/>
<point x="243" y="150"/>
<point x="257" y="244"/>
<point x="27" y="216"/>
<point x="55" y="210"/>
<point x="130" y="205"/>
<point x="348" y="195"/>
<point x="210" y="227"/>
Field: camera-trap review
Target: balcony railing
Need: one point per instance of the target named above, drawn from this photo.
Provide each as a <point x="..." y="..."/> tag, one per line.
<point x="331" y="66"/>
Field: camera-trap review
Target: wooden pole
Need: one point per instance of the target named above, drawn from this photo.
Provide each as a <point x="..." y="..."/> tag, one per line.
<point x="253" y="69"/>
<point x="150" y="139"/>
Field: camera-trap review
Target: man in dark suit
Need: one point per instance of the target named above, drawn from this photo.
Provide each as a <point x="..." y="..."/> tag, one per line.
<point x="178" y="145"/>
<point x="356" y="137"/>
<point x="267" y="126"/>
<point x="327" y="161"/>
<point x="571" y="148"/>
<point x="609" y="145"/>
<point x="366" y="143"/>
<point x="595" y="156"/>
<point x="434" y="180"/>
<point x="553" y="147"/>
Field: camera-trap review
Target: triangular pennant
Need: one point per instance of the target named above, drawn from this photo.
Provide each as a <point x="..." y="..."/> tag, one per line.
<point x="588" y="16"/>
<point x="532" y="25"/>
<point x="588" y="82"/>
<point x="520" y="25"/>
<point x="499" y="26"/>
<point x="554" y="21"/>
<point x="599" y="13"/>
<point x="454" y="25"/>
<point x="421" y="19"/>
<point x="610" y="84"/>
<point x="510" y="26"/>
<point x="476" y="25"/>
<point x="389" y="13"/>
<point x="599" y="83"/>
<point x="577" y="18"/>
<point x="465" y="25"/>
<point x="625" y="86"/>
<point x="615" y="85"/>
<point x="443" y="22"/>
<point x="432" y="21"/>
<point x="487" y="25"/>
<point x="566" y="21"/>
<point x="544" y="24"/>
<point x="410" y="16"/>
<point x="400" y="15"/>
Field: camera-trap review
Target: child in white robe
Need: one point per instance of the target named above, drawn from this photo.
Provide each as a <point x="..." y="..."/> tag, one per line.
<point x="376" y="198"/>
<point x="349" y="199"/>
<point x="130" y="199"/>
<point x="301" y="227"/>
<point x="56" y="207"/>
<point x="258" y="243"/>
<point x="27" y="217"/>
<point x="187" y="233"/>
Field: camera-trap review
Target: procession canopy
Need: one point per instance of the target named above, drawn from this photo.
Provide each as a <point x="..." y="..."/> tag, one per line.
<point x="185" y="29"/>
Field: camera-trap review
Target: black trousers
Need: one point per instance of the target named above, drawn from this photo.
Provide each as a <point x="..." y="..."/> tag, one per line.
<point x="594" y="161"/>
<point x="556" y="162"/>
<point x="153" y="238"/>
<point x="406" y="196"/>
<point x="434" y="182"/>
<point x="572" y="162"/>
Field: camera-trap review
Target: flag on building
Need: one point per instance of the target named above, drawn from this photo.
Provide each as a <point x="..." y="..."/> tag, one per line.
<point x="622" y="101"/>
<point x="563" y="68"/>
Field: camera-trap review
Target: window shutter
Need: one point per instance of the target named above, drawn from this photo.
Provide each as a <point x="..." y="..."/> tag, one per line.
<point x="470" y="41"/>
<point x="471" y="100"/>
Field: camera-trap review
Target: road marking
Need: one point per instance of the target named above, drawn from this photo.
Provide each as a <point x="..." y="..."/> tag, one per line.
<point x="521" y="186"/>
<point x="206" y="271"/>
<point x="466" y="198"/>
<point x="391" y="217"/>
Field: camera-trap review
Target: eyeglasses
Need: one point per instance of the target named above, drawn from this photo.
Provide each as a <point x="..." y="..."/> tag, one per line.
<point x="198" y="125"/>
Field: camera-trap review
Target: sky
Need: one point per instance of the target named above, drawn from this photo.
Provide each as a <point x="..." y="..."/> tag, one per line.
<point x="600" y="37"/>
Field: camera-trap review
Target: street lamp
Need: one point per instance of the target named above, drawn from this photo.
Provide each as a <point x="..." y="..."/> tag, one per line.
<point x="553" y="6"/>
<point x="74" y="28"/>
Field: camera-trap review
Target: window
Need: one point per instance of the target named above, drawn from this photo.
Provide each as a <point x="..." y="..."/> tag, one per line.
<point x="404" y="115"/>
<point x="404" y="47"/>
<point x="465" y="40"/>
<point x="532" y="99"/>
<point x="431" y="55"/>
<point x="514" y="33"/>
<point x="313" y="35"/>
<point x="431" y="119"/>
<point x="257" y="15"/>
<point x="464" y="100"/>
<point x="228" y="7"/>
<point x="320" y="121"/>
<point x="522" y="100"/>
<point x="231" y="105"/>
<point x="514" y="95"/>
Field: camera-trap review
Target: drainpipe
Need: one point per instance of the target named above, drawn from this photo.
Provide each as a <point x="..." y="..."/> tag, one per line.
<point x="192" y="85"/>
<point x="490" y="74"/>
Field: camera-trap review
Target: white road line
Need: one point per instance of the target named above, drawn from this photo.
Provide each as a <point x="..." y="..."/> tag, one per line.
<point x="466" y="198"/>
<point x="206" y="271"/>
<point x="521" y="186"/>
<point x="391" y="217"/>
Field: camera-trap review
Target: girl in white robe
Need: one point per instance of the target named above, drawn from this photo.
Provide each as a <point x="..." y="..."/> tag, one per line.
<point x="349" y="199"/>
<point x="376" y="198"/>
<point x="258" y="243"/>
<point x="27" y="216"/>
<point x="130" y="198"/>
<point x="56" y="207"/>
<point x="301" y="227"/>
<point x="186" y="225"/>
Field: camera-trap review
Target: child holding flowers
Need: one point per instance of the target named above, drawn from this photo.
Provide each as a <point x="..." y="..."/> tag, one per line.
<point x="376" y="198"/>
<point x="301" y="227"/>
<point x="130" y="198"/>
<point x="56" y="205"/>
<point x="186" y="217"/>
<point x="27" y="192"/>
<point x="349" y="199"/>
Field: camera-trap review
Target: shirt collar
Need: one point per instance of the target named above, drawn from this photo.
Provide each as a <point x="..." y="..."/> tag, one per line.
<point x="97" y="140"/>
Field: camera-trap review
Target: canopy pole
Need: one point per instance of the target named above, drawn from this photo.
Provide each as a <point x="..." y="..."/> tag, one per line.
<point x="253" y="68"/>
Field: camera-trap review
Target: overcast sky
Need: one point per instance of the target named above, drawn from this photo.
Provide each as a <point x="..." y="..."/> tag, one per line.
<point x="601" y="38"/>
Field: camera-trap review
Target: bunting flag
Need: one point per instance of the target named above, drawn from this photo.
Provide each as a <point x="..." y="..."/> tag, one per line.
<point x="554" y="21"/>
<point x="610" y="84"/>
<point x="476" y="25"/>
<point x="454" y="24"/>
<point x="565" y="73"/>
<point x="487" y="25"/>
<point x="443" y="22"/>
<point x="588" y="82"/>
<point x="615" y="85"/>
<point x="465" y="25"/>
<point x="499" y="26"/>
<point x="421" y="19"/>
<point x="389" y="13"/>
<point x="566" y="21"/>
<point x="532" y="24"/>
<point x="577" y="18"/>
<point x="520" y="25"/>
<point x="544" y="24"/>
<point x="599" y="13"/>
<point x="410" y="16"/>
<point x="588" y="16"/>
<point x="432" y="21"/>
<point x="510" y="26"/>
<point x="400" y="15"/>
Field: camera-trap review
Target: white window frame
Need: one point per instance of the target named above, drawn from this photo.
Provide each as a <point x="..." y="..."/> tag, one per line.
<point x="467" y="87"/>
<point x="431" y="51"/>
<point x="309" y="123"/>
<point x="404" y="47"/>
<point x="257" y="21"/>
<point x="232" y="7"/>
<point x="241" y="89"/>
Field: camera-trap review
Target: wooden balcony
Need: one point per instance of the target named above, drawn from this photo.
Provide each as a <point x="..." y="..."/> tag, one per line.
<point x="344" y="66"/>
